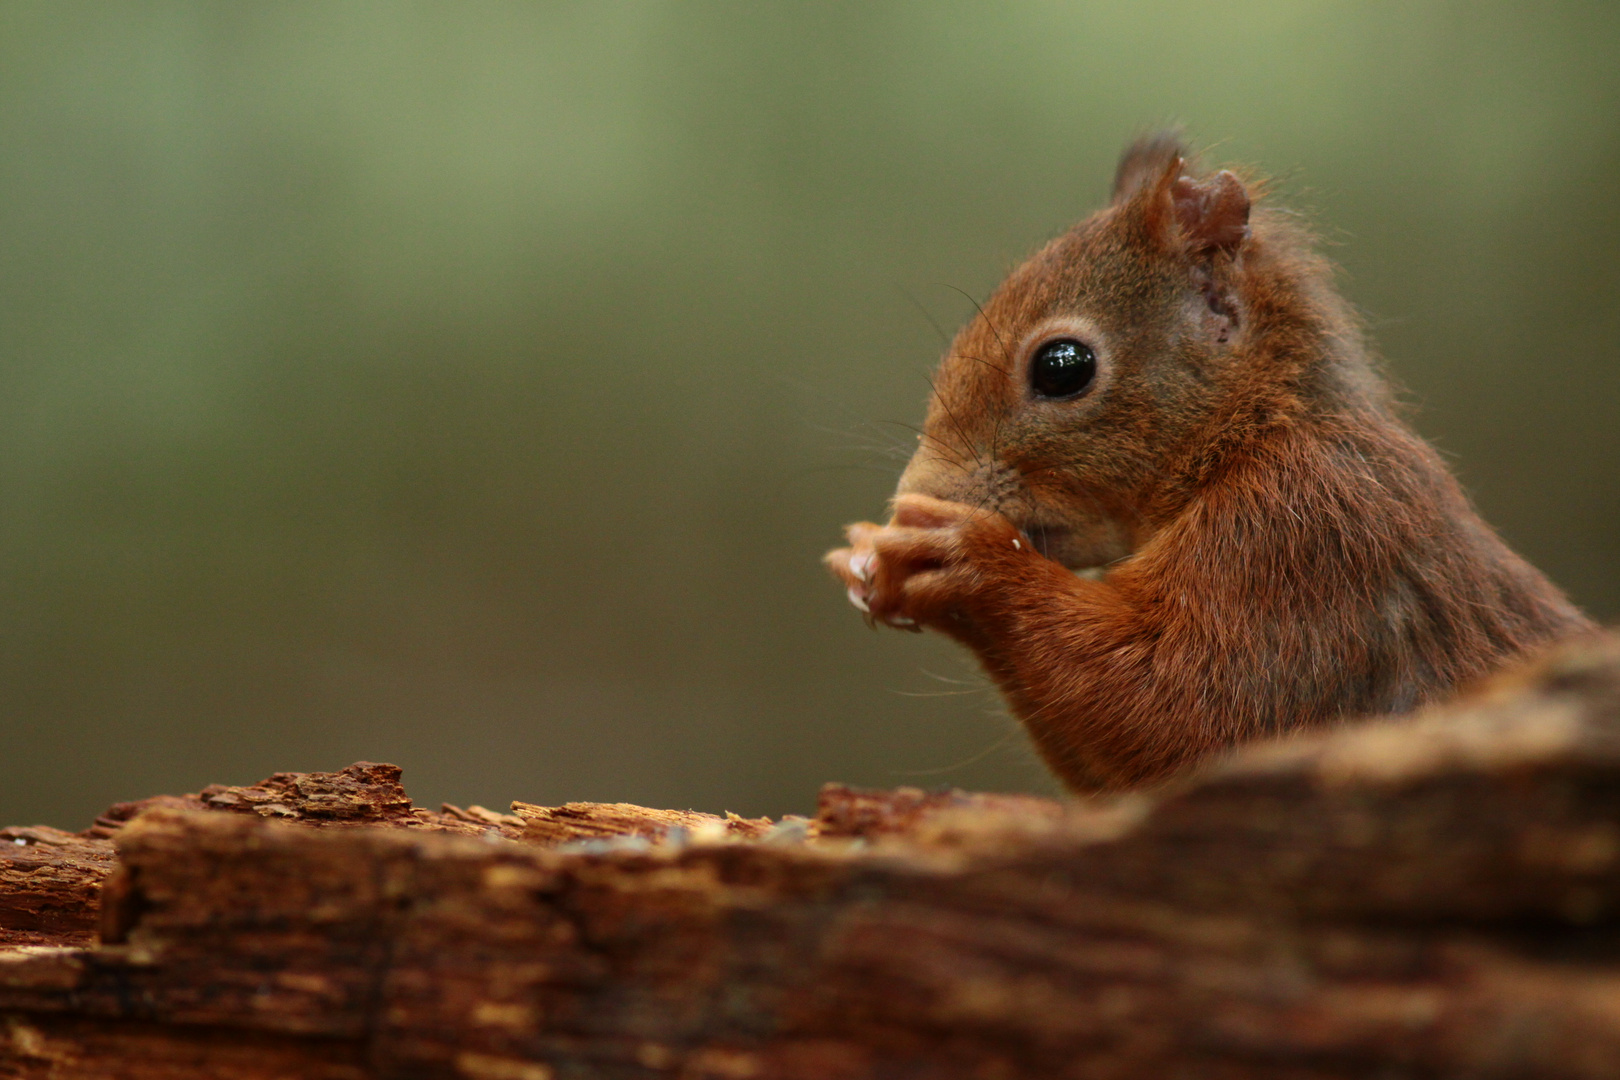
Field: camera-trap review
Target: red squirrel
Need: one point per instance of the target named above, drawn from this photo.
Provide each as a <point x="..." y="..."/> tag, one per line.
<point x="1164" y="495"/>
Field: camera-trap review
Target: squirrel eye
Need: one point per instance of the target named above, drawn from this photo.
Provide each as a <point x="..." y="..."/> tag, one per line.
<point x="1062" y="368"/>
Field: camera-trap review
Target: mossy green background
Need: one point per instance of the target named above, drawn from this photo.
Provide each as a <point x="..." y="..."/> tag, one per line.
<point x="474" y="386"/>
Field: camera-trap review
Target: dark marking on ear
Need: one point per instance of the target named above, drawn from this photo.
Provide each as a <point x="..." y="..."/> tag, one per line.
<point x="1213" y="213"/>
<point x="1148" y="161"/>
<point x="1223" y="312"/>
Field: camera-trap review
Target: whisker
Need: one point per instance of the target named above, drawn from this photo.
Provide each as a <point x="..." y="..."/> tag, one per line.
<point x="1006" y="355"/>
<point x="940" y="693"/>
<point x="944" y="338"/>
<point x="937" y="677"/>
<point x="941" y="443"/>
<point x="950" y="414"/>
<point x="976" y="758"/>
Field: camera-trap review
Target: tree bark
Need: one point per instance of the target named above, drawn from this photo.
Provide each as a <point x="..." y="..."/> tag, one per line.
<point x="1432" y="897"/>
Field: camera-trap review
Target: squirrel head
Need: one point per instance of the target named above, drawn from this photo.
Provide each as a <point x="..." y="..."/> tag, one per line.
<point x="1070" y="403"/>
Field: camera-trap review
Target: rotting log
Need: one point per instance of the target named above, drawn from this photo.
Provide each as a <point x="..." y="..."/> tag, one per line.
<point x="1434" y="897"/>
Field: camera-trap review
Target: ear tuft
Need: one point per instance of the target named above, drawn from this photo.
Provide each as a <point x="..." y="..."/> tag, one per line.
<point x="1147" y="162"/>
<point x="1213" y="212"/>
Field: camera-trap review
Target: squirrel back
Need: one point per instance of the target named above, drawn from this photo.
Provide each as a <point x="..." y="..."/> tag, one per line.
<point x="1165" y="495"/>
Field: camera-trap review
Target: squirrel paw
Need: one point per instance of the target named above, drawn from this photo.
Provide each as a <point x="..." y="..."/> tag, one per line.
<point x="929" y="563"/>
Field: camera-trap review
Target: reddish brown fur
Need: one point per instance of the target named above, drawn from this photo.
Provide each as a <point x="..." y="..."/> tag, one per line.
<point x="1281" y="550"/>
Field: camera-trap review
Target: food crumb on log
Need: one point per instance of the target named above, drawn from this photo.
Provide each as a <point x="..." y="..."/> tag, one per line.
<point x="553" y="826"/>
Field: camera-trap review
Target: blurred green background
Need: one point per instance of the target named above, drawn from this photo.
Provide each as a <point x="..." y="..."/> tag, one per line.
<point x="474" y="386"/>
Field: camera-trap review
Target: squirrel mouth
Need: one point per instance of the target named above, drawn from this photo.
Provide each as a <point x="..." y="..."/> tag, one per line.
<point x="1061" y="545"/>
<point x="1046" y="539"/>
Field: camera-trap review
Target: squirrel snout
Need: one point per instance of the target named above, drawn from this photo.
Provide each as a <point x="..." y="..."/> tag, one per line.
<point x="977" y="481"/>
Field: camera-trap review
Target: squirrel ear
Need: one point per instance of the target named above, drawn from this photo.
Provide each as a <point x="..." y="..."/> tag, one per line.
<point x="1150" y="161"/>
<point x="1207" y="215"/>
<point x="1213" y="213"/>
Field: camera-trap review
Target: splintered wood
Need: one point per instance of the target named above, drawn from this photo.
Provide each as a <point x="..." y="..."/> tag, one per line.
<point x="1434" y="897"/>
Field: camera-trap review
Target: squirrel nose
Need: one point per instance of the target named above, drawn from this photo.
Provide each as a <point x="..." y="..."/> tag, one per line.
<point x="942" y="476"/>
